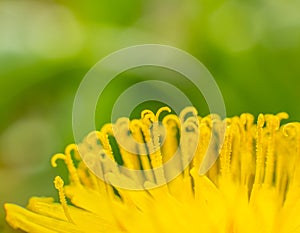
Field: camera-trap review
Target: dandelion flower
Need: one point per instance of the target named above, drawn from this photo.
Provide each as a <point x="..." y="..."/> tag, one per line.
<point x="254" y="186"/>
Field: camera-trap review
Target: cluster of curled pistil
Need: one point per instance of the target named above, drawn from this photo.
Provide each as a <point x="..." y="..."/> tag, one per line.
<point x="154" y="174"/>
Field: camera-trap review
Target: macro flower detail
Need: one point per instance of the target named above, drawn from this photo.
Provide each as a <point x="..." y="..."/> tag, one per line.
<point x="254" y="185"/>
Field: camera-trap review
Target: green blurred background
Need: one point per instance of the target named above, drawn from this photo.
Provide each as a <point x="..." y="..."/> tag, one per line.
<point x="252" y="48"/>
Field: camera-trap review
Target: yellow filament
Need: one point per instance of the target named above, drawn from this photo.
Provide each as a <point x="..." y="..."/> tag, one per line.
<point x="272" y="127"/>
<point x="215" y="126"/>
<point x="67" y="158"/>
<point x="156" y="134"/>
<point x="247" y="152"/>
<point x="147" y="116"/>
<point x="70" y="164"/>
<point x="187" y="111"/>
<point x="235" y="137"/>
<point x="59" y="183"/>
<point x="74" y="148"/>
<point x="170" y="145"/>
<point x="146" y="136"/>
<point x="292" y="131"/>
<point x="172" y="118"/>
<point x="140" y="133"/>
<point x="83" y="174"/>
<point x="129" y="154"/>
<point x="107" y="130"/>
<point x="156" y="157"/>
<point x="135" y="127"/>
<point x="203" y="142"/>
<point x="146" y="112"/>
<point x="208" y="121"/>
<point x="57" y="157"/>
<point x="189" y="144"/>
<point x="259" y="150"/>
<point x="162" y="109"/>
<point x="226" y="151"/>
<point x="189" y="139"/>
<point x="154" y="146"/>
<point x="282" y="116"/>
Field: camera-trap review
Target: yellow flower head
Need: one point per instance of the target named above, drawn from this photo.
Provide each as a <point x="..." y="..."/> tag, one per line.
<point x="254" y="186"/>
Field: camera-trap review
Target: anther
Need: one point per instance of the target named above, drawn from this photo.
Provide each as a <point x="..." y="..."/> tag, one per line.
<point x="59" y="184"/>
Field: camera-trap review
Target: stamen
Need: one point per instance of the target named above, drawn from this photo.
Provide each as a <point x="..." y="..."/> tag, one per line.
<point x="59" y="183"/>
<point x="156" y="157"/>
<point x="103" y="138"/>
<point x="259" y="150"/>
<point x="170" y="145"/>
<point x="57" y="157"/>
<point x="282" y="116"/>
<point x="189" y="146"/>
<point x="156" y="136"/>
<point x="141" y="132"/>
<point x="107" y="129"/>
<point x="154" y="146"/>
<point x="215" y="126"/>
<point x="204" y="140"/>
<point x="127" y="147"/>
<point x="171" y="118"/>
<point x="148" y="116"/>
<point x="210" y="119"/>
<point x="74" y="148"/>
<point x="292" y="130"/>
<point x="169" y="149"/>
<point x="225" y="152"/>
<point x="228" y="150"/>
<point x="135" y="126"/>
<point x="92" y="140"/>
<point x="235" y="148"/>
<point x="146" y="133"/>
<point x="70" y="164"/>
<point x="162" y="109"/>
<point x="85" y="175"/>
<point x="272" y="127"/>
<point x="247" y="120"/>
<point x="68" y="161"/>
<point x="190" y="139"/>
<point x="246" y="155"/>
<point x="156" y="162"/>
<point x="187" y="112"/>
